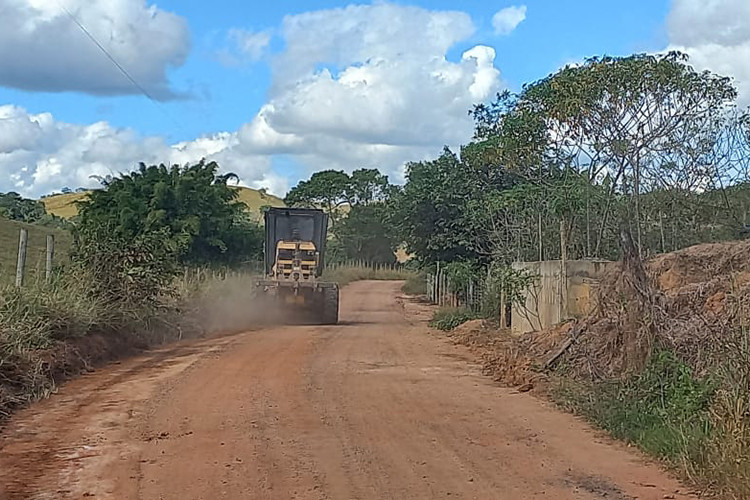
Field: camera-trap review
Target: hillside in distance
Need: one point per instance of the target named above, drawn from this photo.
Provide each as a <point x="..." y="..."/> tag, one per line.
<point x="63" y="205"/>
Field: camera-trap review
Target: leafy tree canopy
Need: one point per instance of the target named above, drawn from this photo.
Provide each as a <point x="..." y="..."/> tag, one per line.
<point x="326" y="189"/>
<point x="13" y="206"/>
<point x="191" y="208"/>
<point x="329" y="190"/>
<point x="429" y="211"/>
<point x="561" y="167"/>
<point x="366" y="234"/>
<point x="363" y="231"/>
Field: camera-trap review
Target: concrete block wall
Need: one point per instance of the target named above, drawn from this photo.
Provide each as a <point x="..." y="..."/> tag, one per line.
<point x="554" y="298"/>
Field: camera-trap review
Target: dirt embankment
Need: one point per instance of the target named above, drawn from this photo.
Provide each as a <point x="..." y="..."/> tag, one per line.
<point x="698" y="296"/>
<point x="376" y="407"/>
<point x="510" y="360"/>
<point x="32" y="376"/>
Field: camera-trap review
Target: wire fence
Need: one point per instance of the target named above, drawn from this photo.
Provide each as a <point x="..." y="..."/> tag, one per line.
<point x="33" y="257"/>
<point x="28" y="257"/>
<point x="444" y="292"/>
<point x="362" y="264"/>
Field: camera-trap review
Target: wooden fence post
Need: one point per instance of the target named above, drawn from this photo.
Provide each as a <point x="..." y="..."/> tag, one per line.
<point x="50" y="258"/>
<point x="21" y="263"/>
<point x="443" y="283"/>
<point x="440" y="289"/>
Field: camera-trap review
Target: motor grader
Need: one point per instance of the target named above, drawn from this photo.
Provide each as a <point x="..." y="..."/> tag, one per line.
<point x="294" y="262"/>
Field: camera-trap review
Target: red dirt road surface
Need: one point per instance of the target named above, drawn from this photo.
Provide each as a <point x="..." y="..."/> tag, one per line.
<point x="374" y="408"/>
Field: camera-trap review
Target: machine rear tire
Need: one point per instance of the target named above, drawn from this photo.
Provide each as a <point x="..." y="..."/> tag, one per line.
<point x="330" y="306"/>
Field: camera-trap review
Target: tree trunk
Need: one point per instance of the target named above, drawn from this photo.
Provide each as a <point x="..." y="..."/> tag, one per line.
<point x="661" y="232"/>
<point x="636" y="194"/>
<point x="588" y="219"/>
<point x="541" y="245"/>
<point x="603" y="225"/>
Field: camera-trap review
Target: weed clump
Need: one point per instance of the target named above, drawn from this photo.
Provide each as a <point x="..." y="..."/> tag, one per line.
<point x="448" y="318"/>
<point x="664" y="363"/>
<point x="664" y="409"/>
<point x="415" y="284"/>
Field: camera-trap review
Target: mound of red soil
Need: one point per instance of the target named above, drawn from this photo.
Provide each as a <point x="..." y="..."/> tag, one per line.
<point x="694" y="301"/>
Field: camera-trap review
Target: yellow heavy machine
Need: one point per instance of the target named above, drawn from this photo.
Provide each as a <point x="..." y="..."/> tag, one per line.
<point x="294" y="263"/>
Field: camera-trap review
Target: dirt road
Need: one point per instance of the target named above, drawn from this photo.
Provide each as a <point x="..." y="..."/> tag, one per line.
<point x="374" y="408"/>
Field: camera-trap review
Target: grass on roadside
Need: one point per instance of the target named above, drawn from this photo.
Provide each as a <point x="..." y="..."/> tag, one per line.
<point x="448" y="318"/>
<point x="700" y="425"/>
<point x="46" y="334"/>
<point x="665" y="409"/>
<point x="50" y="332"/>
<point x="415" y="284"/>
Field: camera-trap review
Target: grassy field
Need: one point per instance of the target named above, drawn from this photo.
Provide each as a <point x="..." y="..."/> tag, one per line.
<point x="255" y="199"/>
<point x="9" y="231"/>
<point x="63" y="205"/>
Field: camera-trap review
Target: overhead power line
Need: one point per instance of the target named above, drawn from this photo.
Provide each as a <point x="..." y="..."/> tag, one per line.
<point x="119" y="66"/>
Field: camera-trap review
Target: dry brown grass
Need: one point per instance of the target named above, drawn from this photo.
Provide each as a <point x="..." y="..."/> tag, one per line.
<point x="64" y="205"/>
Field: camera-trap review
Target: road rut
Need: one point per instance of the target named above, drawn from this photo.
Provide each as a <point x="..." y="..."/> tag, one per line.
<point x="374" y="408"/>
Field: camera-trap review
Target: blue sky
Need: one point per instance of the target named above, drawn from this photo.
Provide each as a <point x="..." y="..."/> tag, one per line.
<point x="217" y="88"/>
<point x="223" y="98"/>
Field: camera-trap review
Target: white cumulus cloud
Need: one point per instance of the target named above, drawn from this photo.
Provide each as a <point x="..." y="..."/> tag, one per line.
<point x="716" y="36"/>
<point x="39" y="154"/>
<point x="252" y="45"/>
<point x="371" y="85"/>
<point x="43" y="49"/>
<point x="360" y="86"/>
<point x="506" y="20"/>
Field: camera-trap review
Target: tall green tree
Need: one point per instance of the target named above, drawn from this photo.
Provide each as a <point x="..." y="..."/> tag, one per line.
<point x="357" y="205"/>
<point x="644" y="120"/>
<point x="429" y="211"/>
<point x="367" y="185"/>
<point x="191" y="207"/>
<point x="327" y="190"/>
<point x="620" y="128"/>
<point x="366" y="234"/>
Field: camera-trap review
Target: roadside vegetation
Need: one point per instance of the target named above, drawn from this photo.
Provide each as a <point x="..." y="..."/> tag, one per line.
<point x="448" y="318"/>
<point x="415" y="284"/>
<point x="664" y="409"/>
<point x="618" y="158"/>
<point x="146" y="249"/>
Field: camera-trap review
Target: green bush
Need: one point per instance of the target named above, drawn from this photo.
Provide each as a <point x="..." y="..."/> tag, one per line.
<point x="665" y="409"/>
<point x="415" y="284"/>
<point x="448" y="318"/>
